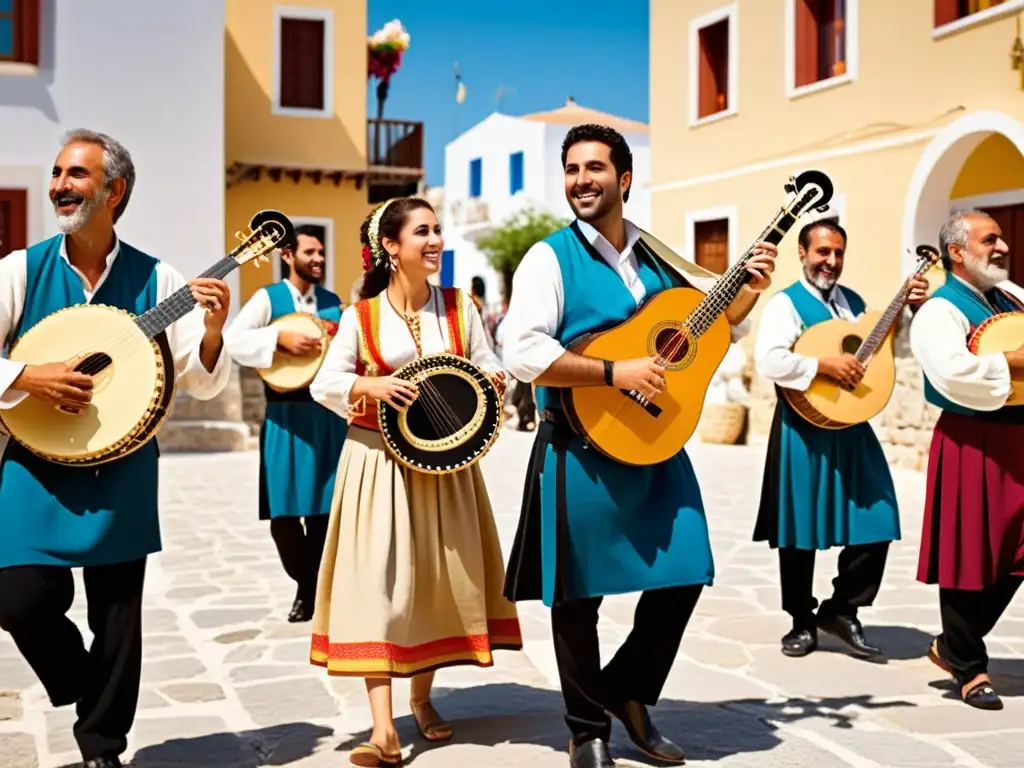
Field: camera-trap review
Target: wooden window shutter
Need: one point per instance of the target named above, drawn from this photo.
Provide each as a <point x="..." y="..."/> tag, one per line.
<point x="302" y="63"/>
<point x="27" y="31"/>
<point x="946" y="11"/>
<point x="806" y="42"/>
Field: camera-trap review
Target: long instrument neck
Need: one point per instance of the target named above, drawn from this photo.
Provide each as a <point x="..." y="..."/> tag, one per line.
<point x="179" y="303"/>
<point x="874" y="340"/>
<point x="729" y="284"/>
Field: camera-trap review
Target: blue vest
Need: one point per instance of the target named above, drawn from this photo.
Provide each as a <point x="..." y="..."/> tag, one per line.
<point x="594" y="296"/>
<point x="812" y="310"/>
<point x="282" y="302"/>
<point x="977" y="312"/>
<point x="52" y="514"/>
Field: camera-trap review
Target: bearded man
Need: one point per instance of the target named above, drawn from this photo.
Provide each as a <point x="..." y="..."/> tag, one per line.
<point x="300" y="440"/>
<point x="972" y="542"/>
<point x="822" y="488"/>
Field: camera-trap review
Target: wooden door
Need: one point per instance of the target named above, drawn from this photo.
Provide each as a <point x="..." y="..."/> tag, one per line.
<point x="1010" y="219"/>
<point x="711" y="245"/>
<point x="13" y="220"/>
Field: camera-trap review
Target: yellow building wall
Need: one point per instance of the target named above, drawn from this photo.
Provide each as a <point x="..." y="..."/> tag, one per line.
<point x="994" y="166"/>
<point x="344" y="204"/>
<point x="907" y="81"/>
<point x="253" y="133"/>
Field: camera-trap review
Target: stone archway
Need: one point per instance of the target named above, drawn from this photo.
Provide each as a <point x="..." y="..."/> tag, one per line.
<point x="928" y="194"/>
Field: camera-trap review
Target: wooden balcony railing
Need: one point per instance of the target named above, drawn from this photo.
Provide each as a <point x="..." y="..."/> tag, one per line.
<point x="395" y="145"/>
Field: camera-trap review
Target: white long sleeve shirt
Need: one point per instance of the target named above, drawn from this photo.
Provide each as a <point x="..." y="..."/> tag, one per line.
<point x="184" y="336"/>
<point x="535" y="312"/>
<point x="333" y="383"/>
<point x="249" y="340"/>
<point x="938" y="340"/>
<point x="779" y="329"/>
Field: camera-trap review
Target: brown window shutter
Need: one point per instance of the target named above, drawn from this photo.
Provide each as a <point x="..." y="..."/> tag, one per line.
<point x="806" y="43"/>
<point x="711" y="245"/>
<point x="946" y="11"/>
<point x="27" y="31"/>
<point x="302" y="63"/>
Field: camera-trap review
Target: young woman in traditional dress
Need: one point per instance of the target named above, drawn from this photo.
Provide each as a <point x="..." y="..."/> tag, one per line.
<point x="412" y="572"/>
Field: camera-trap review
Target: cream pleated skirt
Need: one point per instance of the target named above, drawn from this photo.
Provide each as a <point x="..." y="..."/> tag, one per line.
<point x="412" y="572"/>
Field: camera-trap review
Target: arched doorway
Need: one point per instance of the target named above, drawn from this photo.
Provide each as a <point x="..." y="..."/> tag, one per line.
<point x="980" y="154"/>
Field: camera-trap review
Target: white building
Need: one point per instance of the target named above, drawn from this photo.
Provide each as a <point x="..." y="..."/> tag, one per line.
<point x="505" y="163"/>
<point x="149" y="74"/>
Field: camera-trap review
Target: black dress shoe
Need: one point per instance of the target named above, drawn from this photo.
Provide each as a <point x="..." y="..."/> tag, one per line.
<point x="302" y="610"/>
<point x="983" y="696"/>
<point x="102" y="762"/>
<point x="799" y="642"/>
<point x="590" y="754"/>
<point x="645" y="735"/>
<point x="851" y="634"/>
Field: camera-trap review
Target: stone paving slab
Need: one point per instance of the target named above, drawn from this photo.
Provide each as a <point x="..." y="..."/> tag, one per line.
<point x="226" y="682"/>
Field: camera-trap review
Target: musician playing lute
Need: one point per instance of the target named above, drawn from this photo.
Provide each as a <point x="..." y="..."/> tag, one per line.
<point x="412" y="570"/>
<point x="102" y="519"/>
<point x="822" y="488"/>
<point x="300" y="441"/>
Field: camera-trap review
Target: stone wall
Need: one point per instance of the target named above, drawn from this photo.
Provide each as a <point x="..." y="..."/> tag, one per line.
<point x="904" y="428"/>
<point x="208" y="425"/>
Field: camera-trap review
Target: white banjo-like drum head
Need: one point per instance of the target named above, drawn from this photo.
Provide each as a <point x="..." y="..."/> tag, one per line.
<point x="289" y="372"/>
<point x="123" y="391"/>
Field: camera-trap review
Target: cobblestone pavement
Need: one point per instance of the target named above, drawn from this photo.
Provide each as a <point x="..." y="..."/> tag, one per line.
<point x="226" y="681"/>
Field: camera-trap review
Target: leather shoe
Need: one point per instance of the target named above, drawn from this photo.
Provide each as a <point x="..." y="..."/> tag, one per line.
<point x="590" y="754"/>
<point x="851" y="634"/>
<point x="302" y="610"/>
<point x="102" y="762"/>
<point x="799" y="642"/>
<point x="645" y="735"/>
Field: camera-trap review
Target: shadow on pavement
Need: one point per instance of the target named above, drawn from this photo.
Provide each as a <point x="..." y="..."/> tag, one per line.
<point x="276" y="745"/>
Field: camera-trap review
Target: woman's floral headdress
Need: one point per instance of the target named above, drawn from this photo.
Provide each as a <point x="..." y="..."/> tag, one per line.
<point x="374" y="253"/>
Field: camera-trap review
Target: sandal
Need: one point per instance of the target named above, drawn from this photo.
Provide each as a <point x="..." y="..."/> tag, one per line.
<point x="981" y="694"/>
<point x="936" y="658"/>
<point x="434" y="728"/>
<point x="369" y="755"/>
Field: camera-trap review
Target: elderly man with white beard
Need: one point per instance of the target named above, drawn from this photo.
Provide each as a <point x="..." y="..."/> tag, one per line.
<point x="972" y="542"/>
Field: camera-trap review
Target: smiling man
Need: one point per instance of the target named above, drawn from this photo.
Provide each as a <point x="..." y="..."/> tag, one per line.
<point x="972" y="542"/>
<point x="822" y="488"/>
<point x="104" y="519"/>
<point x="591" y="526"/>
<point x="300" y="441"/>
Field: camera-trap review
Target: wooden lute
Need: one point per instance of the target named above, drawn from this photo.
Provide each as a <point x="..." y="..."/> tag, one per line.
<point x="288" y="372"/>
<point x="1002" y="333"/>
<point x="129" y="359"/>
<point x="826" y="403"/>
<point x="687" y="332"/>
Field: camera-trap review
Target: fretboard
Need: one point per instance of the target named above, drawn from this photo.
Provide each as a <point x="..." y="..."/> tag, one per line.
<point x="874" y="340"/>
<point x="179" y="303"/>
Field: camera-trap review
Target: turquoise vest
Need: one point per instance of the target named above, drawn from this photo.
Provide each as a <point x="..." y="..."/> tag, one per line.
<point x="594" y="296"/>
<point x="79" y="516"/>
<point x="977" y="312"/>
<point x="812" y="310"/>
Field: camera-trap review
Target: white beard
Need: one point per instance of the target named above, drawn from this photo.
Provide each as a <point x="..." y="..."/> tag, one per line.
<point x="69" y="223"/>
<point x="986" y="276"/>
<point x="823" y="284"/>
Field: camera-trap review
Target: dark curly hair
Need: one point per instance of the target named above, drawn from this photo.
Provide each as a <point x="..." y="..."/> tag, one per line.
<point x="622" y="157"/>
<point x="804" y="238"/>
<point x="391" y="223"/>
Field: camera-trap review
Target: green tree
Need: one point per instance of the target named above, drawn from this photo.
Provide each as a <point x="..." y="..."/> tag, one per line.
<point x="505" y="246"/>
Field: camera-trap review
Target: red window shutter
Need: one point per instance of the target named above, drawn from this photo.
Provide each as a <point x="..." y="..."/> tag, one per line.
<point x="27" y="31"/>
<point x="946" y="11"/>
<point x="806" y="42"/>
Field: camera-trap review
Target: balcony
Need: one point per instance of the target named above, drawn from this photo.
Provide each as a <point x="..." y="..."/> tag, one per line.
<point x="394" y="150"/>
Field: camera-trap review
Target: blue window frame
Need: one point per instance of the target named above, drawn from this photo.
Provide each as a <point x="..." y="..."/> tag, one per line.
<point x="476" y="177"/>
<point x="6" y="29"/>
<point x="515" y="172"/>
<point x="447" y="269"/>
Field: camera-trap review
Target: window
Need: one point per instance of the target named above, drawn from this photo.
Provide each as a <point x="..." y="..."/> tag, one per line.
<point x="948" y="11"/>
<point x="711" y="245"/>
<point x="820" y="40"/>
<point x="515" y="172"/>
<point x="713" y="67"/>
<point x="303" y="48"/>
<point x="13" y="220"/>
<point x="19" y="31"/>
<point x="447" y="269"/>
<point x="476" y="180"/>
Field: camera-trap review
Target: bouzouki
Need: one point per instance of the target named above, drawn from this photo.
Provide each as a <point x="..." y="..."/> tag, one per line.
<point x="1002" y="333"/>
<point x="129" y="359"/>
<point x="687" y="332"/>
<point x="454" y="421"/>
<point x="288" y="372"/>
<point x="826" y="403"/>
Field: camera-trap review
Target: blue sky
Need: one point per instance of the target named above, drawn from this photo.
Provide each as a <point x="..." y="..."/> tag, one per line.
<point x="541" y="51"/>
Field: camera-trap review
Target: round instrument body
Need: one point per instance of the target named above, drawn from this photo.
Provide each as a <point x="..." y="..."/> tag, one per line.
<point x="289" y="372"/>
<point x="1002" y="333"/>
<point x="453" y="422"/>
<point x="130" y="394"/>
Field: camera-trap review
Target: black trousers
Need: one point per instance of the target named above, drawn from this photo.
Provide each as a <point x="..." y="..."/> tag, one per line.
<point x="967" y="616"/>
<point x="856" y="584"/>
<point x="638" y="670"/>
<point x="300" y="549"/>
<point x="103" y="680"/>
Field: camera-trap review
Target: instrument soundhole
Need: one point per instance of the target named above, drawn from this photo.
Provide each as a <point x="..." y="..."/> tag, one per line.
<point x="94" y="363"/>
<point x="851" y="344"/>
<point x="672" y="345"/>
<point x="445" y="405"/>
